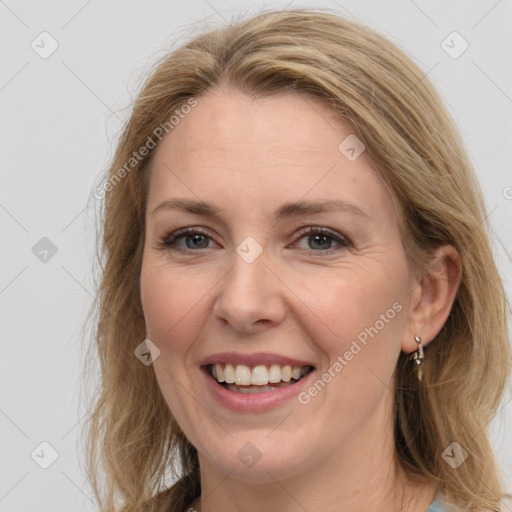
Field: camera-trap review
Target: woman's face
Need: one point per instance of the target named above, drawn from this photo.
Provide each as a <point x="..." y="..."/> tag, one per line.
<point x="246" y="292"/>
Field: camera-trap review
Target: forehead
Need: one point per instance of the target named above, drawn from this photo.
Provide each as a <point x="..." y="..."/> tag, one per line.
<point x="227" y="119"/>
<point x="269" y="150"/>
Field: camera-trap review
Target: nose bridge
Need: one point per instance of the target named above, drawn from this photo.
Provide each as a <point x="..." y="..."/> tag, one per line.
<point x="250" y="292"/>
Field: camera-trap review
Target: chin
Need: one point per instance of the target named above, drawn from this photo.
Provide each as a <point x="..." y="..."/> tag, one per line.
<point x="256" y="459"/>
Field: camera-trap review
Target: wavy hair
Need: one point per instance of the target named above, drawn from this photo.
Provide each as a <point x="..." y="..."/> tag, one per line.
<point x="137" y="457"/>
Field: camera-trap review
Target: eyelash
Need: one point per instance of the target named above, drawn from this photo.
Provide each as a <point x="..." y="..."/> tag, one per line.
<point x="169" y="241"/>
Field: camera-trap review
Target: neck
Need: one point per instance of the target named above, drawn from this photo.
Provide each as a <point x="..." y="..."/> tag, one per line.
<point x="361" y="475"/>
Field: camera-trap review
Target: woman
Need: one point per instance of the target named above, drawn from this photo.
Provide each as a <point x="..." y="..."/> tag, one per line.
<point x="299" y="307"/>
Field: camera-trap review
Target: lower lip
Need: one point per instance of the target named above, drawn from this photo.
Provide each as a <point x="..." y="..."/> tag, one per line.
<point x="254" y="402"/>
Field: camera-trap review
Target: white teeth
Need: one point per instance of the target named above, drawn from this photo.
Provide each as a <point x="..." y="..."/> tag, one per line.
<point x="229" y="374"/>
<point x="250" y="390"/>
<point x="259" y="375"/>
<point x="286" y="373"/>
<point x="274" y="374"/>
<point x="242" y="375"/>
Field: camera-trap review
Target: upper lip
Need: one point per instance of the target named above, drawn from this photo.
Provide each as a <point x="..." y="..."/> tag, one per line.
<point x="257" y="358"/>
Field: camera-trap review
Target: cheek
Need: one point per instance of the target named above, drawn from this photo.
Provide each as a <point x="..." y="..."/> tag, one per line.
<point x="357" y="322"/>
<point x="170" y="303"/>
<point x="358" y="311"/>
<point x="172" y="307"/>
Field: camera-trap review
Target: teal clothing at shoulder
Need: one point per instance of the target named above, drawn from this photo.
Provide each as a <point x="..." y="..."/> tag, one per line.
<point x="437" y="505"/>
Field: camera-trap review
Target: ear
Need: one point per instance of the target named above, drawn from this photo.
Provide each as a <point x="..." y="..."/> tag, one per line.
<point x="432" y="296"/>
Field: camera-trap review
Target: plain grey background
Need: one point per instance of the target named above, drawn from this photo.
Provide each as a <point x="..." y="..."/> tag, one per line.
<point x="60" y="118"/>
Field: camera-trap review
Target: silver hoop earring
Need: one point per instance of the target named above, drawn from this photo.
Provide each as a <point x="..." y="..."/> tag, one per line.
<point x="417" y="356"/>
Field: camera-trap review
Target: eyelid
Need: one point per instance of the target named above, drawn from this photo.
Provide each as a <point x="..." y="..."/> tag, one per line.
<point x="343" y="242"/>
<point x="168" y="241"/>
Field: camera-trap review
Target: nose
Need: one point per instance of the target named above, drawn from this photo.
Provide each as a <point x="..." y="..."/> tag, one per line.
<point x="250" y="298"/>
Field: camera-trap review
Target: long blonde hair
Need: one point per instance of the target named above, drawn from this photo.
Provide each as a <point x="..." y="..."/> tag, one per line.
<point x="134" y="446"/>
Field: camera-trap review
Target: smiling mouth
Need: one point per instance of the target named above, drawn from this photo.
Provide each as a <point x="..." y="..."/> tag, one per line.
<point x="241" y="378"/>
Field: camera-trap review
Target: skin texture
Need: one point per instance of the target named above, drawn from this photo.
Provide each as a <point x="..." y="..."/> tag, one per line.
<point x="303" y="297"/>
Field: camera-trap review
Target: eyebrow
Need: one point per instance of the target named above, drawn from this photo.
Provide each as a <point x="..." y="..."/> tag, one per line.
<point x="287" y="210"/>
